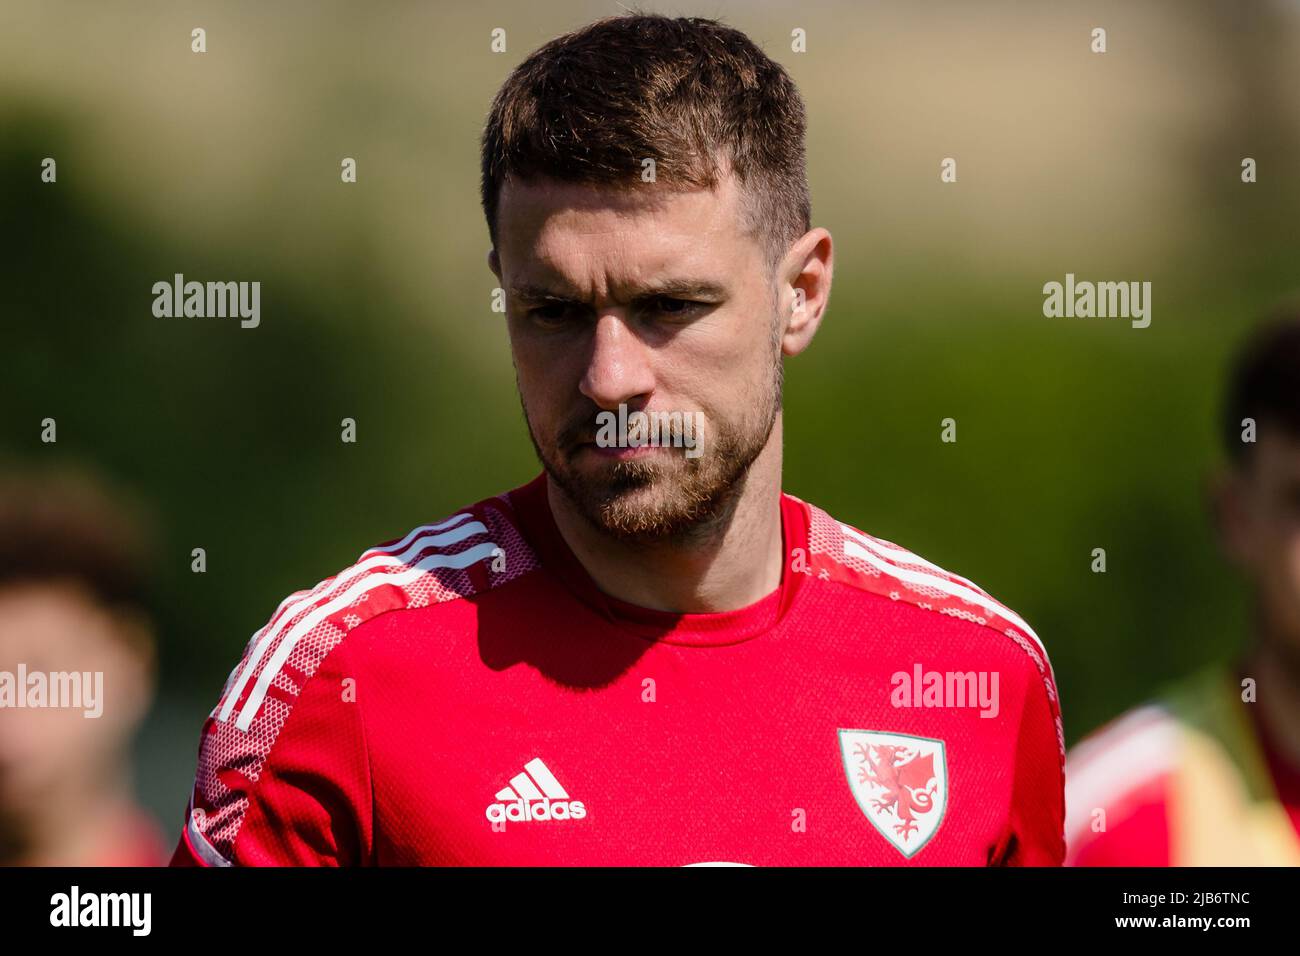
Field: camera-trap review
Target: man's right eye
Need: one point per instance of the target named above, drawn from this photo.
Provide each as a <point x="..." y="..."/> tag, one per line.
<point x="553" y="313"/>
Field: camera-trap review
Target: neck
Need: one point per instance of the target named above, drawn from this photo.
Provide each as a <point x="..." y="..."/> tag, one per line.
<point x="76" y="823"/>
<point x="1277" y="675"/>
<point x="731" y="564"/>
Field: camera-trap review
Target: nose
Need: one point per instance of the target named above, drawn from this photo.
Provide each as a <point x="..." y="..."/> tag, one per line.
<point x="619" y="368"/>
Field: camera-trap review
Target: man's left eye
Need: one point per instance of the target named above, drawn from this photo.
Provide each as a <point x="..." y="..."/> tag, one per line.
<point x="674" y="306"/>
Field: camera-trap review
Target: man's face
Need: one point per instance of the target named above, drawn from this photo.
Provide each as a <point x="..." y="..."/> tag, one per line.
<point x="56" y="627"/>
<point x="1262" y="531"/>
<point x="650" y="298"/>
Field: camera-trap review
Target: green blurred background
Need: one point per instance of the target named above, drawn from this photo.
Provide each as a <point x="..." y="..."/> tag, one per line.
<point x="1073" y="434"/>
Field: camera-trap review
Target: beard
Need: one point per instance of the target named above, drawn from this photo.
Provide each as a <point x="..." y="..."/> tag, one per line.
<point x="663" y="496"/>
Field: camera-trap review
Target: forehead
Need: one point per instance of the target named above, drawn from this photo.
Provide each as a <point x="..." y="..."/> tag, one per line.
<point x="646" y="227"/>
<point x="46" y="613"/>
<point x="1276" y="453"/>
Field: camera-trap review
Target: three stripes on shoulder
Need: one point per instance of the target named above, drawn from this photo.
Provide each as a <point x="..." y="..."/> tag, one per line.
<point x="912" y="569"/>
<point x="399" y="565"/>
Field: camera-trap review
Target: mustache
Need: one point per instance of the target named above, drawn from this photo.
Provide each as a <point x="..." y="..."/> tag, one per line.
<point x="580" y="430"/>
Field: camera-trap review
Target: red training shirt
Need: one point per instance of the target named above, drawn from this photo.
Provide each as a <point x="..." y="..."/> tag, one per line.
<point x="467" y="696"/>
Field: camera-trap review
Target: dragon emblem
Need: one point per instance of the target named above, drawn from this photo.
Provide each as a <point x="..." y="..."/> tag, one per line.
<point x="907" y="781"/>
<point x="900" y="783"/>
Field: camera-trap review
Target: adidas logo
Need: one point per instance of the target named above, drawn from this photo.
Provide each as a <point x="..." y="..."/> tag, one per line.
<point x="534" y="795"/>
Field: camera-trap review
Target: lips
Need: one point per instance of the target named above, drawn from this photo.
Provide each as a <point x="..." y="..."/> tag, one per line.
<point x="617" y="453"/>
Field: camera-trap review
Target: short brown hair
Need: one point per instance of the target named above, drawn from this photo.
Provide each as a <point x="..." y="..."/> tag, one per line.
<point x="58" y="525"/>
<point x="1264" y="383"/>
<point x="590" y="106"/>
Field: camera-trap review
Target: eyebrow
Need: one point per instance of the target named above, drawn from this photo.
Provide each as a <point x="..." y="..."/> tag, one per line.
<point x="668" y="288"/>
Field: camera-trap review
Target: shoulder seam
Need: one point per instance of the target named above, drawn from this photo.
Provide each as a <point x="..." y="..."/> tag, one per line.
<point x="865" y="562"/>
<point x="850" y="556"/>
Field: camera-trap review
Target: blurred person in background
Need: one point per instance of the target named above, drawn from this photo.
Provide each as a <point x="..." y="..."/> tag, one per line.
<point x="1208" y="774"/>
<point x="72" y="601"/>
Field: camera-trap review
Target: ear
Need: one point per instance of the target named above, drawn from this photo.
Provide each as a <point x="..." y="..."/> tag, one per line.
<point x="804" y="289"/>
<point x="494" y="263"/>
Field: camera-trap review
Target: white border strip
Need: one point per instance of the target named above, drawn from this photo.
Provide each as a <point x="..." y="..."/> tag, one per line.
<point x="200" y="845"/>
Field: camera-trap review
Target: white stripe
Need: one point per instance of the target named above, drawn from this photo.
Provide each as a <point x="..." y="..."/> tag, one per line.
<point x="547" y="779"/>
<point x="305" y="598"/>
<point x="205" y="850"/>
<point x="388" y="549"/>
<point x="969" y="595"/>
<point x="415" y="533"/>
<point x="1142" y="755"/>
<point x="506" y="795"/>
<point x="1115" y="733"/>
<point x="282" y="651"/>
<point x="524" y="787"/>
<point x="895" y="553"/>
<point x="218" y="709"/>
<point x="382" y="558"/>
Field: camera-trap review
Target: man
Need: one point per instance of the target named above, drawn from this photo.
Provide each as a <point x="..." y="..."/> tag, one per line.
<point x="648" y="655"/>
<point x="76" y="676"/>
<point x="1209" y="773"/>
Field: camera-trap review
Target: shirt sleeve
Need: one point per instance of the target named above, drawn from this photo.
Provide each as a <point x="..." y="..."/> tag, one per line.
<point x="294" y="788"/>
<point x="1036" y="830"/>
<point x="1139" y="835"/>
